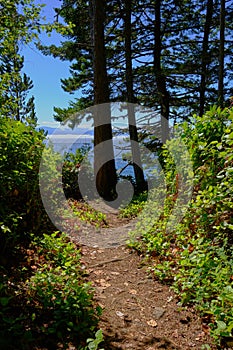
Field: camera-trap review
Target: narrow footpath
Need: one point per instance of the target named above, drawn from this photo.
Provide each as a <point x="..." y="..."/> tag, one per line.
<point x="139" y="313"/>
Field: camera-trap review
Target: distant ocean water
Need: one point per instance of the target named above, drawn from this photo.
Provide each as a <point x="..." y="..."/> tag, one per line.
<point x="69" y="144"/>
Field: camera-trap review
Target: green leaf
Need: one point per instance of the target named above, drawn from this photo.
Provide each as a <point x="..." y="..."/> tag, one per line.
<point x="221" y="325"/>
<point x="5" y="300"/>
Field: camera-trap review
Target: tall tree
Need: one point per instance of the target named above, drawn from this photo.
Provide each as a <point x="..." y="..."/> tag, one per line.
<point x="133" y="133"/>
<point x="205" y="59"/>
<point x="171" y="71"/>
<point x="158" y="71"/>
<point x="85" y="48"/>
<point x="15" y="103"/>
<point x="78" y="49"/>
<point x="159" y="74"/>
<point x="19" y="25"/>
<point x="105" y="174"/>
<point x="221" y="53"/>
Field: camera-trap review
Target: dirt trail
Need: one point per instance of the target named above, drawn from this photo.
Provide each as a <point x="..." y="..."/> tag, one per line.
<point x="139" y="313"/>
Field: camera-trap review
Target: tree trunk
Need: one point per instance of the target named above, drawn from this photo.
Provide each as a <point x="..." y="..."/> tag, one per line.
<point x="221" y="54"/>
<point x="133" y="132"/>
<point x="205" y="59"/>
<point x="104" y="163"/>
<point x="159" y="75"/>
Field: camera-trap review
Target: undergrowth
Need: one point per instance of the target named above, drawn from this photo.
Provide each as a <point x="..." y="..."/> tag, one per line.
<point x="45" y="301"/>
<point x="134" y="207"/>
<point x="88" y="214"/>
<point x="195" y="253"/>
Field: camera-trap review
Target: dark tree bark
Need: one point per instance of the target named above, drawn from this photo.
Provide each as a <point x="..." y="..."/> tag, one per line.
<point x="205" y="57"/>
<point x="104" y="163"/>
<point x="221" y="54"/>
<point x="133" y="132"/>
<point x="159" y="75"/>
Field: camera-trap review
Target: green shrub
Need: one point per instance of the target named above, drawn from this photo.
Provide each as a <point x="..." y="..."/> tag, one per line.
<point x="48" y="302"/>
<point x="21" y="147"/>
<point x="70" y="171"/>
<point x="93" y="344"/>
<point x="57" y="286"/>
<point x="135" y="206"/>
<point x="196" y="254"/>
<point x="44" y="298"/>
<point x="88" y="214"/>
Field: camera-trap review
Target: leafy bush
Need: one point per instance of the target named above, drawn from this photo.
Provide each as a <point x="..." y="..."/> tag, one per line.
<point x="51" y="303"/>
<point x="58" y="286"/>
<point x="70" y="171"/>
<point x="88" y="214"/>
<point x="196" y="255"/>
<point x="20" y="206"/>
<point x="135" y="206"/>
<point x="44" y="299"/>
<point x="93" y="344"/>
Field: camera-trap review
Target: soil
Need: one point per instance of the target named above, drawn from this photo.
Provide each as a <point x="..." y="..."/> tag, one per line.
<point x="139" y="313"/>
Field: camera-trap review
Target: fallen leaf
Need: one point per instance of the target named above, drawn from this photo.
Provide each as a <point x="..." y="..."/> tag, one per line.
<point x="175" y="333"/>
<point x="98" y="272"/>
<point x="133" y="291"/>
<point x="103" y="283"/>
<point x="120" y="314"/>
<point x="152" y="323"/>
<point x="169" y="299"/>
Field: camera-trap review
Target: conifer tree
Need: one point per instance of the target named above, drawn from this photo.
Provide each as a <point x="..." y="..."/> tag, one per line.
<point x="19" y="25"/>
<point x="15" y="103"/>
<point x="176" y="63"/>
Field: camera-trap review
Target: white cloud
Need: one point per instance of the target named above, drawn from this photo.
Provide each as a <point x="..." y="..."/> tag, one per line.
<point x="49" y="124"/>
<point x="69" y="136"/>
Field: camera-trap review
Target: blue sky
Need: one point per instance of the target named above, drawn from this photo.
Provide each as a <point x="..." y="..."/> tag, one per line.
<point x="46" y="72"/>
